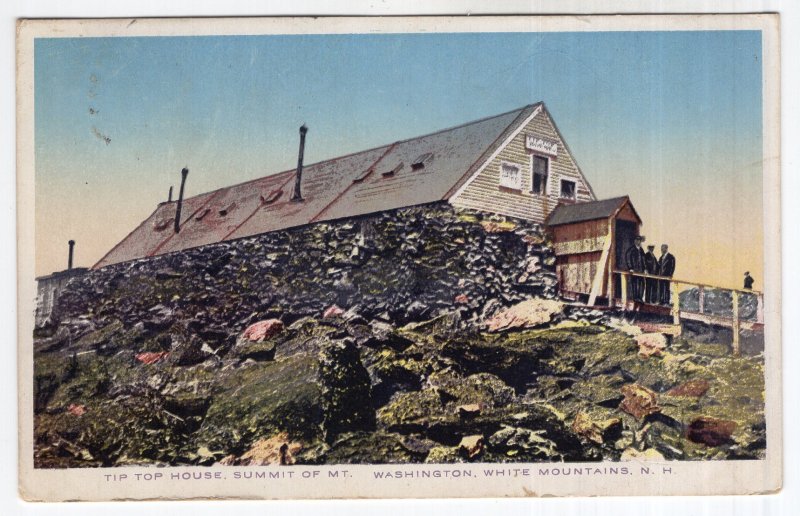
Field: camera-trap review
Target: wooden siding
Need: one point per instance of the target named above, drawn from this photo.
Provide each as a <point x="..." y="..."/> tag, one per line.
<point x="484" y="193"/>
<point x="576" y="272"/>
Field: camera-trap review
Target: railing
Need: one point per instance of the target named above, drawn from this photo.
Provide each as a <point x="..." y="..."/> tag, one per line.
<point x="735" y="321"/>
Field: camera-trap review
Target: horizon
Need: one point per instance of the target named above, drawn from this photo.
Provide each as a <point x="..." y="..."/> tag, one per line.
<point x="116" y="116"/>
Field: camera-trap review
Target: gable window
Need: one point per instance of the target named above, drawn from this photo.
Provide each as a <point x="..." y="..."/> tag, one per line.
<point x="510" y="176"/>
<point x="567" y="189"/>
<point x="539" y="166"/>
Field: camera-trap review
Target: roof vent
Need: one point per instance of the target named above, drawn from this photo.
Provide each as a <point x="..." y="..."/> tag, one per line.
<point x="202" y="214"/>
<point x="421" y="161"/>
<point x="363" y="176"/>
<point x="395" y="170"/>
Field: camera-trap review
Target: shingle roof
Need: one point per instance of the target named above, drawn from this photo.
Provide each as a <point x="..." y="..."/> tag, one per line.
<point x="581" y="212"/>
<point x="328" y="188"/>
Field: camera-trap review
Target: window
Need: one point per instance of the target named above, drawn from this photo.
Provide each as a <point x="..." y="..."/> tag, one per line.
<point x="540" y="166"/>
<point x="567" y="189"/>
<point x="510" y="176"/>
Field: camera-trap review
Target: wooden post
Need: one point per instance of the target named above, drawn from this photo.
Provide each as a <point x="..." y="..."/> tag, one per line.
<point x="676" y="302"/>
<point x="736" y="350"/>
<point x="612" y="260"/>
<point x="623" y="280"/>
<point x="702" y="295"/>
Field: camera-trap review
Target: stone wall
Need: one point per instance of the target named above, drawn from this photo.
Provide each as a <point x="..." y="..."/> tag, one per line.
<point x="400" y="266"/>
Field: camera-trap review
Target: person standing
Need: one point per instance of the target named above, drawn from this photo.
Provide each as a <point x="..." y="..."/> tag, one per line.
<point x="651" y="267"/>
<point x="748" y="281"/>
<point x="666" y="267"/>
<point x="634" y="259"/>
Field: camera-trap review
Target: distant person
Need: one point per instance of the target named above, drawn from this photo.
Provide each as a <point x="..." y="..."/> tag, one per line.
<point x="651" y="267"/>
<point x="634" y="259"/>
<point x="666" y="267"/>
<point x="748" y="281"/>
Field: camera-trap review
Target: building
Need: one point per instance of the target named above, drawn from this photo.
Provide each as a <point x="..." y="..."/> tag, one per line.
<point x="48" y="288"/>
<point x="589" y="241"/>
<point x="515" y="164"/>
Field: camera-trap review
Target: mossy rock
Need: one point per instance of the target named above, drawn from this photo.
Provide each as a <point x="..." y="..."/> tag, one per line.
<point x="372" y="448"/>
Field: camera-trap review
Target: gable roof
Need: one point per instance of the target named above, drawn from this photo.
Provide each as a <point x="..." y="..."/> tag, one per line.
<point x="370" y="181"/>
<point x="584" y="211"/>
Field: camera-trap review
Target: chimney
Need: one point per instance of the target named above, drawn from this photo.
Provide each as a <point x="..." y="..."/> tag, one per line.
<point x="169" y="197"/>
<point x="184" y="173"/>
<point x="296" y="195"/>
<point x="71" y="250"/>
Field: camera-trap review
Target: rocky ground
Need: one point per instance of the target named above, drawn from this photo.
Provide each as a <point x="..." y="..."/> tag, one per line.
<point x="449" y="346"/>
<point x="343" y="389"/>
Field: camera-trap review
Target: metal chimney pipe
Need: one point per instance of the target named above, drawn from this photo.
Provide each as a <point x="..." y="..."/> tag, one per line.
<point x="184" y="173"/>
<point x="71" y="250"/>
<point x="169" y="197"/>
<point x="298" y="177"/>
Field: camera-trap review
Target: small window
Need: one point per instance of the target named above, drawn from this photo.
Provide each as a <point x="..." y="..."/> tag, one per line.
<point x="567" y="189"/>
<point x="395" y="170"/>
<point x="202" y="214"/>
<point x="510" y="176"/>
<point x="272" y="197"/>
<point x="227" y="209"/>
<point x="421" y="161"/>
<point x="540" y="166"/>
<point x="362" y="176"/>
<point x="161" y="225"/>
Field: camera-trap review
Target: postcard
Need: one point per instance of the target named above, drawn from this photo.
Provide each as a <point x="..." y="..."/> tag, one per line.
<point x="405" y="257"/>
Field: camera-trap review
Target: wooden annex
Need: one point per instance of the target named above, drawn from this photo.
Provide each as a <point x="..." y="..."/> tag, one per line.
<point x="589" y="240"/>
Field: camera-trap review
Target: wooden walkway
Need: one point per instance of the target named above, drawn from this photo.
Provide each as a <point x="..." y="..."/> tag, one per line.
<point x="678" y="313"/>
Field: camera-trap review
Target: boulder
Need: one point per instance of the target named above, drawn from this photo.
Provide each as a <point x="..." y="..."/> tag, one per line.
<point x="471" y="446"/>
<point x="710" y="431"/>
<point x="151" y="357"/>
<point x="527" y="314"/>
<point x="650" y="454"/>
<point x="691" y="389"/>
<point x="278" y="450"/>
<point x="639" y="401"/>
<point x="651" y="344"/>
<point x="332" y="312"/>
<point x="523" y="444"/>
<point x="263" y="330"/>
<point x="597" y="427"/>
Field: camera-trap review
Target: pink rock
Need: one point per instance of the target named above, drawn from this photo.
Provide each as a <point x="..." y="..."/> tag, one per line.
<point x="461" y="299"/>
<point x="528" y="314"/>
<point x="332" y="311"/>
<point x="150" y="357"/>
<point x="651" y="344"/>
<point x="76" y="410"/>
<point x="262" y="330"/>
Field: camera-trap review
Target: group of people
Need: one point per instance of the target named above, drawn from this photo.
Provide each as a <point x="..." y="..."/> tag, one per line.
<point x="649" y="290"/>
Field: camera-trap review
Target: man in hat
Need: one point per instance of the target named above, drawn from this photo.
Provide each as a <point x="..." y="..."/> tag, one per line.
<point x="634" y="259"/>
<point x="748" y="281"/>
<point x="651" y="267"/>
<point x="666" y="267"/>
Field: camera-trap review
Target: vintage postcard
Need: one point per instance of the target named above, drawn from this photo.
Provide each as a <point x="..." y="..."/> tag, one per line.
<point x="399" y="257"/>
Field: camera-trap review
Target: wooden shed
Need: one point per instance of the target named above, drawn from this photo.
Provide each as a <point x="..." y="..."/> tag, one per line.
<point x="589" y="240"/>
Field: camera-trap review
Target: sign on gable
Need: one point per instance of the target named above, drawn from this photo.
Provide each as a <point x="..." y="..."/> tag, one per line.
<point x="544" y="145"/>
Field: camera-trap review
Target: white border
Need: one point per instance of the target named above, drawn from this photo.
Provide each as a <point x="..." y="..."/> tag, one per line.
<point x="784" y="503"/>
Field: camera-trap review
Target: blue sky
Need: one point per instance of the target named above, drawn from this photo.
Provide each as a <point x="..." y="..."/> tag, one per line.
<point x="673" y="119"/>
